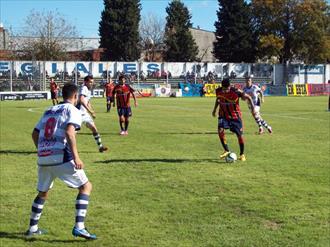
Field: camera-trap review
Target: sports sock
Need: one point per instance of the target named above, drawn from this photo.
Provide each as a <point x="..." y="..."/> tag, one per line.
<point x="36" y="211"/>
<point x="264" y="123"/>
<point x="121" y="125"/>
<point x="81" y="210"/>
<point x="259" y="121"/>
<point x="98" y="140"/>
<point x="223" y="141"/>
<point x="126" y="125"/>
<point x="241" y="144"/>
<point x="108" y="107"/>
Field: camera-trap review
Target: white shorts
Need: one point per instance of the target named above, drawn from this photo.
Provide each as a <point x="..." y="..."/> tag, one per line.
<point x="71" y="176"/>
<point x="87" y="119"/>
<point x="256" y="110"/>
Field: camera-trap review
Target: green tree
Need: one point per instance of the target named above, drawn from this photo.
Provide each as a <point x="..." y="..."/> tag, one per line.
<point x="235" y="39"/>
<point x="119" y="30"/>
<point x="180" y="45"/>
<point x="300" y="27"/>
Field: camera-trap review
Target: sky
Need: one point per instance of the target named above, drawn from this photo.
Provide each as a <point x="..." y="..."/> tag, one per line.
<point x="86" y="14"/>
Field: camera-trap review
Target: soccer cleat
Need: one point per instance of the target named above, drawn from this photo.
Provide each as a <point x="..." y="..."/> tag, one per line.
<point x="103" y="149"/>
<point x="270" y="130"/>
<point x="224" y="155"/>
<point x="122" y="133"/>
<point x="29" y="234"/>
<point x="242" y="157"/>
<point x="125" y="132"/>
<point x="83" y="233"/>
<point x="261" y="131"/>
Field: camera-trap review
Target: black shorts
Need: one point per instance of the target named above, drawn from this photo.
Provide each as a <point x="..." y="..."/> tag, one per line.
<point x="235" y="126"/>
<point x="125" y="111"/>
<point x="109" y="99"/>
<point x="53" y="95"/>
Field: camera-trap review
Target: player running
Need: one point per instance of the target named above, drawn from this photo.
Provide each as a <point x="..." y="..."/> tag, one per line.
<point x="254" y="91"/>
<point x="54" y="91"/>
<point x="86" y="108"/>
<point x="108" y="89"/>
<point x="122" y="93"/>
<point x="55" y="138"/>
<point x="230" y="116"/>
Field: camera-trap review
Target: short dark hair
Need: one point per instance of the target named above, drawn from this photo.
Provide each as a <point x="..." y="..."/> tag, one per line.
<point x="89" y="77"/>
<point x="68" y="90"/>
<point x="225" y="82"/>
<point x="121" y="77"/>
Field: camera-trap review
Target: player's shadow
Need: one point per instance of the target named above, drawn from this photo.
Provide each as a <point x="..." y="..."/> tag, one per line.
<point x="157" y="160"/>
<point x="20" y="235"/>
<point x="102" y="134"/>
<point x="17" y="152"/>
<point x="189" y="133"/>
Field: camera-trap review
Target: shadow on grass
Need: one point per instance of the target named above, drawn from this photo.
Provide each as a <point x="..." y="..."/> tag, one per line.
<point x="21" y="236"/>
<point x="189" y="133"/>
<point x="17" y="152"/>
<point x="102" y="134"/>
<point x="157" y="160"/>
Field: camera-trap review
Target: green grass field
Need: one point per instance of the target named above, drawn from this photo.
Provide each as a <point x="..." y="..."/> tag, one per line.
<point x="164" y="185"/>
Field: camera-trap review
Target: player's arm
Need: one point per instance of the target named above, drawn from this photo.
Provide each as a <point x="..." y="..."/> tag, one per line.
<point x="261" y="96"/>
<point x="114" y="98"/>
<point x="86" y="104"/>
<point x="216" y="104"/>
<point x="70" y="134"/>
<point x="35" y="137"/>
<point x="247" y="97"/>
<point x="135" y="102"/>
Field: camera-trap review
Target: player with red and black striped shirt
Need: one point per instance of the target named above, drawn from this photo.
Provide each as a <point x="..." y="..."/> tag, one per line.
<point x="122" y="92"/>
<point x="230" y="116"/>
<point x="108" y="90"/>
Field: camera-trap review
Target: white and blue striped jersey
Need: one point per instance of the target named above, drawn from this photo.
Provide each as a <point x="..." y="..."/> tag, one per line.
<point x="87" y="93"/>
<point x="53" y="148"/>
<point x="253" y="91"/>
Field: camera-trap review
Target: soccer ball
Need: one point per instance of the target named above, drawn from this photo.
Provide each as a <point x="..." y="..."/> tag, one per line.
<point x="231" y="158"/>
<point x="186" y="89"/>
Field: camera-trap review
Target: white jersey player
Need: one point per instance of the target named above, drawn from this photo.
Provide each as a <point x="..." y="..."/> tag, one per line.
<point x="87" y="111"/>
<point x="54" y="137"/>
<point x="254" y="91"/>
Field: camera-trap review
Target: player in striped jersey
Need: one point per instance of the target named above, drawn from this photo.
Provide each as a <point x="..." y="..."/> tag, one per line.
<point x="55" y="138"/>
<point x="122" y="93"/>
<point x="85" y="107"/>
<point x="230" y="116"/>
<point x="108" y="89"/>
<point x="254" y="91"/>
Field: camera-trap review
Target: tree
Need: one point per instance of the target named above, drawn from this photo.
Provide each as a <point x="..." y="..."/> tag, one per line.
<point x="235" y="38"/>
<point x="180" y="45"/>
<point x="46" y="36"/>
<point x="152" y="34"/>
<point x="119" y="30"/>
<point x="300" y="27"/>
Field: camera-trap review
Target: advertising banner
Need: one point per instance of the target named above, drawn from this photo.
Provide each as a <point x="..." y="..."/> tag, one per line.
<point x="191" y="90"/>
<point x="210" y="89"/>
<point x="176" y="69"/>
<point x="24" y="95"/>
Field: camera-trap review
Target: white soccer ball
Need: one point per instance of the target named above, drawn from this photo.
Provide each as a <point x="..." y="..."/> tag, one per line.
<point x="231" y="158"/>
<point x="186" y="89"/>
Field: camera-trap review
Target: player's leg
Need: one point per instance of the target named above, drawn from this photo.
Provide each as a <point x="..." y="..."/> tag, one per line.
<point x="45" y="182"/>
<point x="222" y="124"/>
<point x="108" y="104"/>
<point x="237" y="128"/>
<point x="121" y="118"/>
<point x="128" y="114"/>
<point x="262" y="121"/>
<point x="258" y="119"/>
<point x="53" y="97"/>
<point x="76" y="178"/>
<point x="97" y="137"/>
